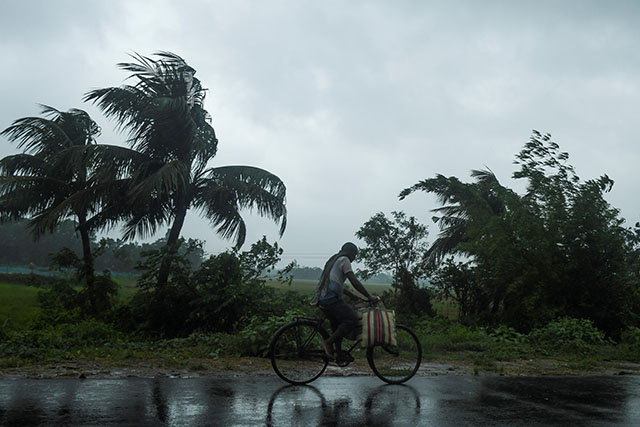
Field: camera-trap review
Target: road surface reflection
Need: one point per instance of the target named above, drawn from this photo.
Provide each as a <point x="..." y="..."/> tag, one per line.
<point x="344" y="401"/>
<point x="386" y="405"/>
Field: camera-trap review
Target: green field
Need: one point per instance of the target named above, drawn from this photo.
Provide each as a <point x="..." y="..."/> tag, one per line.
<point x="127" y="285"/>
<point x="18" y="306"/>
<point x="308" y="287"/>
<point x="19" y="303"/>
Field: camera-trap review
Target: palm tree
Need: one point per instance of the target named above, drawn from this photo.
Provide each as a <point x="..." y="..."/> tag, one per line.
<point x="171" y="141"/>
<point x="461" y="203"/>
<point x="42" y="184"/>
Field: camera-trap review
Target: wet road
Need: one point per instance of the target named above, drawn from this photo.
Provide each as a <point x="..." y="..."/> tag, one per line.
<point x="344" y="401"/>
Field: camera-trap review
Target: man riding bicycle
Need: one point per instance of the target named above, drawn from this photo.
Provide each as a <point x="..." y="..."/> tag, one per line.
<point x="342" y="316"/>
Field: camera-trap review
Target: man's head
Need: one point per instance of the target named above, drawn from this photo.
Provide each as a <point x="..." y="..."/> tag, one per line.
<point x="349" y="250"/>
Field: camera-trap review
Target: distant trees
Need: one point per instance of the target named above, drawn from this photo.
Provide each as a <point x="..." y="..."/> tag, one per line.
<point x="558" y="250"/>
<point x="115" y="255"/>
<point x="397" y="245"/>
<point x="19" y="248"/>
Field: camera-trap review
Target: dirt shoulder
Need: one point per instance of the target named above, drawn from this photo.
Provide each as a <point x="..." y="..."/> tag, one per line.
<point x="230" y="367"/>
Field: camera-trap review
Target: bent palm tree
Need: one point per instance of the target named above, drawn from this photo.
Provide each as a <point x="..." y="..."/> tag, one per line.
<point x="170" y="142"/>
<point x="461" y="203"/>
<point x="41" y="184"/>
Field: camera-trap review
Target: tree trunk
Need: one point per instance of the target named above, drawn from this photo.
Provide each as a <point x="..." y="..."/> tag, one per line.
<point x="87" y="263"/>
<point x="171" y="248"/>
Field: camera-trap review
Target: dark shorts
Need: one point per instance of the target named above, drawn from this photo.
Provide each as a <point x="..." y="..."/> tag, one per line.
<point x="341" y="315"/>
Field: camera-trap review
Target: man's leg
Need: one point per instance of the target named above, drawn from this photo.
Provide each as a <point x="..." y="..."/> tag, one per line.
<point x="347" y="320"/>
<point x="329" y="342"/>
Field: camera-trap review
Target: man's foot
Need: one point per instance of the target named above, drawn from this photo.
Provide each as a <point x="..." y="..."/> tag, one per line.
<point x="343" y="358"/>
<point x="328" y="349"/>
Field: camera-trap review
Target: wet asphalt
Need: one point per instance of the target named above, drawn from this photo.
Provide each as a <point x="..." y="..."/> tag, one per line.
<point x="329" y="401"/>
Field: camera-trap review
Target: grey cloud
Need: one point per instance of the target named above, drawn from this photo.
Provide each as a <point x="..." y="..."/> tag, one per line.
<point x="369" y="95"/>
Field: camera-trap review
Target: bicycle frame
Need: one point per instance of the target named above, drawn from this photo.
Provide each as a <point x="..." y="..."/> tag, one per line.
<point x="318" y="322"/>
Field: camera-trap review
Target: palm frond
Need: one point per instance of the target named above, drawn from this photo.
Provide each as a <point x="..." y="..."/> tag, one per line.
<point x="37" y="135"/>
<point x="22" y="164"/>
<point x="220" y="206"/>
<point x="145" y="223"/>
<point x="252" y="188"/>
<point x="485" y="176"/>
<point x="444" y="246"/>
<point x="168" y="178"/>
<point x="106" y="162"/>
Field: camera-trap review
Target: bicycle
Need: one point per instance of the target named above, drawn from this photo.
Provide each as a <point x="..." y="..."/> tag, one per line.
<point x="297" y="355"/>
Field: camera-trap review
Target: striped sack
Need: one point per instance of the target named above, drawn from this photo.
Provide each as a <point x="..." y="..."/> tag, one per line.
<point x="378" y="327"/>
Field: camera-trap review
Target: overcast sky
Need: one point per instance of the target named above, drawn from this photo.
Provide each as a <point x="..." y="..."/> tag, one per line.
<point x="349" y="102"/>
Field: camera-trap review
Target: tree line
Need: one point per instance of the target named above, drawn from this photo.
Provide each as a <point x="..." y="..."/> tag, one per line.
<point x="60" y="249"/>
<point x="558" y="250"/>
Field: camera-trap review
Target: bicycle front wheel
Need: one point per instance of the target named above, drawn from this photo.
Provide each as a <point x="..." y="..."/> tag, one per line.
<point x="296" y="352"/>
<point x="396" y="364"/>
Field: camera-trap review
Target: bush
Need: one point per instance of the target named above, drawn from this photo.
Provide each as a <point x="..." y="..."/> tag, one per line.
<point x="568" y="333"/>
<point x="221" y="296"/>
<point x="87" y="333"/>
<point x="105" y="293"/>
<point x="443" y="334"/>
<point x="61" y="303"/>
<point x="256" y="334"/>
<point x="631" y="337"/>
<point x="164" y="310"/>
<point x="506" y="334"/>
<point x="38" y="344"/>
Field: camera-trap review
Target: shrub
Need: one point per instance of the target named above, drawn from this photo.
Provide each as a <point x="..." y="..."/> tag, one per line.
<point x="165" y="310"/>
<point x="105" y="293"/>
<point x="221" y="296"/>
<point x="631" y="337"/>
<point x="38" y="344"/>
<point x="87" y="333"/>
<point x="256" y="333"/>
<point x="59" y="304"/>
<point x="63" y="303"/>
<point x="506" y="334"/>
<point x="443" y="334"/>
<point x="568" y="333"/>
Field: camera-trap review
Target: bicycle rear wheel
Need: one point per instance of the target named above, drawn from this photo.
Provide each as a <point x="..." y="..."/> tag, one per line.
<point x="296" y="352"/>
<point x="397" y="364"/>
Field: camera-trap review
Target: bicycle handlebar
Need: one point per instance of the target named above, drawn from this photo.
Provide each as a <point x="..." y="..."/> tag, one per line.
<point x="378" y="300"/>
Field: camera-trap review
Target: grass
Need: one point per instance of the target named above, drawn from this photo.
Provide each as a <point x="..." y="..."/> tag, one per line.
<point x="19" y="303"/>
<point x="127" y="284"/>
<point x="18" y="306"/>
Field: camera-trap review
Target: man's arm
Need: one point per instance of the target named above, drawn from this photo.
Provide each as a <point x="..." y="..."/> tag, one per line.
<point x="350" y="294"/>
<point x="359" y="287"/>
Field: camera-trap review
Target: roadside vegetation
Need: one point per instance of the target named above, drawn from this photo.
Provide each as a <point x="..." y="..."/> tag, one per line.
<point x="38" y="330"/>
<point x="552" y="274"/>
